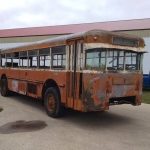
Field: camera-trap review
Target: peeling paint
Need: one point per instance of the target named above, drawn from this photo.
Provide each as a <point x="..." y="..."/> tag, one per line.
<point x="104" y="45"/>
<point x="80" y="89"/>
<point x="107" y="86"/>
<point x="15" y="85"/>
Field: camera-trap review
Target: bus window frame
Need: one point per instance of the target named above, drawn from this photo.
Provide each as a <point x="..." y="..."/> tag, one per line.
<point x="14" y="56"/>
<point x="48" y="53"/>
<point x="1" y="60"/>
<point x="35" y="54"/>
<point x="23" y="56"/>
<point x="59" y="52"/>
<point x="8" y="56"/>
<point x="138" y="60"/>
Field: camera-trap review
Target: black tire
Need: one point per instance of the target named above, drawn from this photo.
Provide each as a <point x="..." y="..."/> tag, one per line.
<point x="52" y="103"/>
<point x="4" y="87"/>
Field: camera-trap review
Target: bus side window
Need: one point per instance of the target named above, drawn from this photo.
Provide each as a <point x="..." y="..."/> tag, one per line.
<point x="44" y="58"/>
<point x="8" y="62"/>
<point x="23" y="59"/>
<point x="33" y="58"/>
<point x="15" y="59"/>
<point x="3" y="60"/>
<point x="58" y="57"/>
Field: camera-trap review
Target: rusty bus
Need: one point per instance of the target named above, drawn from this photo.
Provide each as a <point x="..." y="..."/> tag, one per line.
<point x="86" y="71"/>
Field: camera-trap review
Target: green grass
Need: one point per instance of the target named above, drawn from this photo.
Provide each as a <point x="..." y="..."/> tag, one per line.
<point x="146" y="97"/>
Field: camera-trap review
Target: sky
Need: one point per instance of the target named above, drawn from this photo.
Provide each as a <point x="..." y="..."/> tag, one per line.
<point x="32" y="13"/>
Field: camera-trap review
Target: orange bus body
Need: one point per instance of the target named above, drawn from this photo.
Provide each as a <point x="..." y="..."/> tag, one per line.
<point x="78" y="88"/>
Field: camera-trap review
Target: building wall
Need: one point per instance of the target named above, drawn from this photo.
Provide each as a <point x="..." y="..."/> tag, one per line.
<point x="140" y="33"/>
<point x="146" y="60"/>
<point x="25" y="39"/>
<point x="146" y="35"/>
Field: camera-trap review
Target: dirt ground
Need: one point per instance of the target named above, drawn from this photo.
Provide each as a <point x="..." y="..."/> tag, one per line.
<point x="24" y="125"/>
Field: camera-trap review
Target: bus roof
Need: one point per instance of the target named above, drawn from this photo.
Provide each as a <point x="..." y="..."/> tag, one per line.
<point x="61" y="40"/>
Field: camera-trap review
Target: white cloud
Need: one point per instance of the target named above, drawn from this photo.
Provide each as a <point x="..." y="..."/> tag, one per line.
<point x="25" y="13"/>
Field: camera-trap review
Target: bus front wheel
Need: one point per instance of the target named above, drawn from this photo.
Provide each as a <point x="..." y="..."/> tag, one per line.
<point x="4" y="87"/>
<point x="52" y="103"/>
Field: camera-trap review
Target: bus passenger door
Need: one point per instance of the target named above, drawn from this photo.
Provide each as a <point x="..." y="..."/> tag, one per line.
<point x="23" y="63"/>
<point x="74" y="75"/>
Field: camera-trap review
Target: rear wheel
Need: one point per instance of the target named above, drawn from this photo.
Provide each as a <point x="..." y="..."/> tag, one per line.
<point x="4" y="87"/>
<point x="52" y="103"/>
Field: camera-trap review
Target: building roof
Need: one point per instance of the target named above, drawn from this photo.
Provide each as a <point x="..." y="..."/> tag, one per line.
<point x="105" y="36"/>
<point x="123" y="25"/>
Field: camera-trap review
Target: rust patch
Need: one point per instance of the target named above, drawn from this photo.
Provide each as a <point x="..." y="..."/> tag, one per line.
<point x="22" y="126"/>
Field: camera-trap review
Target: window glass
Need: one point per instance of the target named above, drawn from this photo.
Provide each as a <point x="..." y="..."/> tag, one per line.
<point x="33" y="58"/>
<point x="44" y="51"/>
<point x="15" y="59"/>
<point x="32" y="53"/>
<point x="131" y="62"/>
<point x="59" y="60"/>
<point x="3" y="60"/>
<point x="23" y="59"/>
<point x="113" y="59"/>
<point x="9" y="60"/>
<point x="33" y="62"/>
<point x="95" y="59"/>
<point x="54" y="62"/>
<point x="58" y="57"/>
<point x="44" y="58"/>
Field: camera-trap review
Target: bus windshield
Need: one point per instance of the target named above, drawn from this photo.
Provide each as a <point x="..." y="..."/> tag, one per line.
<point x="112" y="59"/>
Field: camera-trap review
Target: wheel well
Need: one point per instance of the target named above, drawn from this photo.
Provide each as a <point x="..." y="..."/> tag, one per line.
<point x="50" y="83"/>
<point x="3" y="77"/>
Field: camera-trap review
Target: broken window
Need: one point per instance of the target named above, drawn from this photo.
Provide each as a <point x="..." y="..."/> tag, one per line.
<point x="23" y="59"/>
<point x="15" y="59"/>
<point x="112" y="58"/>
<point x="33" y="58"/>
<point x="8" y="60"/>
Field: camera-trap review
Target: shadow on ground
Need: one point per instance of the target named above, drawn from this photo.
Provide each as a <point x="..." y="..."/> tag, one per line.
<point x="97" y="120"/>
<point x="88" y="120"/>
<point x="29" y="101"/>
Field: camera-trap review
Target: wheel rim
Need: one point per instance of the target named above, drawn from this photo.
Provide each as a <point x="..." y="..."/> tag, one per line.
<point x="51" y="102"/>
